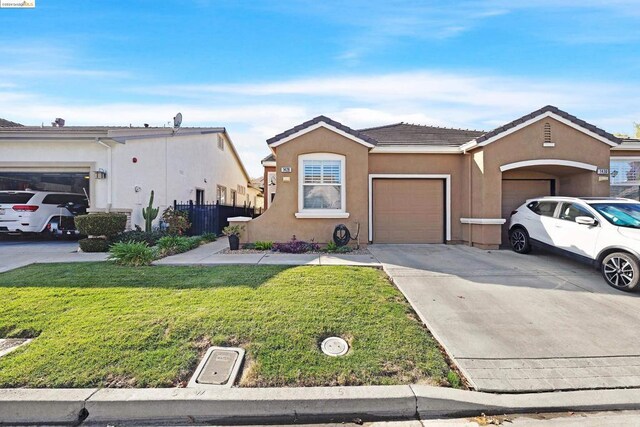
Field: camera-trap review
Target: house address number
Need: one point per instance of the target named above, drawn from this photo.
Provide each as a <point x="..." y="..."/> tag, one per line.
<point x="286" y="169"/>
<point x="602" y="171"/>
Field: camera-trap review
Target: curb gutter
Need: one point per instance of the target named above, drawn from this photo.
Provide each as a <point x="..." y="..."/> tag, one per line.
<point x="287" y="405"/>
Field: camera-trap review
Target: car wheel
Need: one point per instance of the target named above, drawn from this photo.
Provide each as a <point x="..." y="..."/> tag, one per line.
<point x="621" y="271"/>
<point x="519" y="240"/>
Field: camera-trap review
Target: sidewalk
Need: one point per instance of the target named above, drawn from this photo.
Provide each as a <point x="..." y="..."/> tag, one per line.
<point x="209" y="255"/>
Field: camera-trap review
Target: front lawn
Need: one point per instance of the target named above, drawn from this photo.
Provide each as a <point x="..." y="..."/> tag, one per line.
<point x="98" y="324"/>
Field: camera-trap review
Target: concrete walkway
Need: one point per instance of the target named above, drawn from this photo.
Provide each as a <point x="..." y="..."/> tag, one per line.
<point x="515" y="323"/>
<point x="19" y="253"/>
<point x="209" y="254"/>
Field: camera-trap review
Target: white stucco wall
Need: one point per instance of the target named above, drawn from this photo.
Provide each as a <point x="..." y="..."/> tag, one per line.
<point x="173" y="166"/>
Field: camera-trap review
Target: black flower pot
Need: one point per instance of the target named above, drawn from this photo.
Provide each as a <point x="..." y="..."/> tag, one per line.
<point x="234" y="242"/>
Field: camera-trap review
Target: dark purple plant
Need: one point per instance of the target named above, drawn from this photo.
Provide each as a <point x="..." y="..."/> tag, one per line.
<point x="295" y="246"/>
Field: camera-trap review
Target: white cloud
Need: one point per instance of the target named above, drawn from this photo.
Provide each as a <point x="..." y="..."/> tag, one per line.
<point x="253" y="112"/>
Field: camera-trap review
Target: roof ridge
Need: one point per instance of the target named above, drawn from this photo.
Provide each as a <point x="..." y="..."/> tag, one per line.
<point x="423" y="126"/>
<point x="380" y="127"/>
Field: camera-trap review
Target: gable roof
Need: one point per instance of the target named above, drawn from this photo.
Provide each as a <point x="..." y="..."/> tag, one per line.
<point x="404" y="134"/>
<point x="4" y="123"/>
<point x="546" y="111"/>
<point x="321" y="121"/>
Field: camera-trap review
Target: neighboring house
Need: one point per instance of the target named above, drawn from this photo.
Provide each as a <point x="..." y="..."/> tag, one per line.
<point x="269" y="179"/>
<point x="406" y="183"/>
<point x="119" y="166"/>
<point x="256" y="193"/>
<point x="8" y="123"/>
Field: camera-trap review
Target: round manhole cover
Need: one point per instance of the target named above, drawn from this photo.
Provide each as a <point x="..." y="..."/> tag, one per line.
<point x="334" y="346"/>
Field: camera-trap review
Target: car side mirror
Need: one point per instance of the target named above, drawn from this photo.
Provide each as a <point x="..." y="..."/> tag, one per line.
<point x="586" y="220"/>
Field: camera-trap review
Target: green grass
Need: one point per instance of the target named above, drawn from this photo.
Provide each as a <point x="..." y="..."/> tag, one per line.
<point x="98" y="324"/>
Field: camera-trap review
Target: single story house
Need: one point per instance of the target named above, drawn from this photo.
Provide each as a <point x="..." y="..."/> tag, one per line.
<point x="404" y="183"/>
<point x="118" y="167"/>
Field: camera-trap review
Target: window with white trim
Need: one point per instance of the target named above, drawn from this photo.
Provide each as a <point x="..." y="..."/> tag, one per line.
<point x="321" y="183"/>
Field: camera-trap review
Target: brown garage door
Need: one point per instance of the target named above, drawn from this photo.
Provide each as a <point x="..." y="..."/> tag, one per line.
<point x="516" y="191"/>
<point x="408" y="210"/>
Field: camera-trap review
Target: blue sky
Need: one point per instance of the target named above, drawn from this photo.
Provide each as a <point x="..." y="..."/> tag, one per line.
<point x="260" y="67"/>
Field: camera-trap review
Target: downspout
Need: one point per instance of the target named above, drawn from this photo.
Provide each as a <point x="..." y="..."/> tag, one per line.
<point x="470" y="180"/>
<point x="109" y="171"/>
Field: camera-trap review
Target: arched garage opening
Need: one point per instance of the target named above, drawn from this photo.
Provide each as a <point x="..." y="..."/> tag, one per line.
<point x="546" y="177"/>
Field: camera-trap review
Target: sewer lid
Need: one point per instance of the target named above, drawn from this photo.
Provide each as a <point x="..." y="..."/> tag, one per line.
<point x="334" y="346"/>
<point x="218" y="368"/>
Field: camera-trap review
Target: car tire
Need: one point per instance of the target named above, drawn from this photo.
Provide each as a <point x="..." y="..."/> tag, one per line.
<point x="519" y="240"/>
<point x="621" y="270"/>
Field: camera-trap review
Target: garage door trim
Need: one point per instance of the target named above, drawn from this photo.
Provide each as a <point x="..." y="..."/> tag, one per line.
<point x="447" y="186"/>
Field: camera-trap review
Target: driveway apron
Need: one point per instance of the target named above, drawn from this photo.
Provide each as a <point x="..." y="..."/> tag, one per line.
<point x="517" y="323"/>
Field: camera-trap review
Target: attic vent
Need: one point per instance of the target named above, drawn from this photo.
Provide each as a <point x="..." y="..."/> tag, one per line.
<point x="547" y="136"/>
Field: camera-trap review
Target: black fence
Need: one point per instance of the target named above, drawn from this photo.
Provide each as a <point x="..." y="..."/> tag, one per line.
<point x="212" y="217"/>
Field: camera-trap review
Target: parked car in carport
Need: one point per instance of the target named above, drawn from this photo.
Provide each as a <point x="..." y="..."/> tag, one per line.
<point x="604" y="232"/>
<point x="27" y="212"/>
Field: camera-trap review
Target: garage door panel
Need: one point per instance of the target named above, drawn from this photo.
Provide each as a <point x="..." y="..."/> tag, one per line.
<point x="516" y="191"/>
<point x="408" y="210"/>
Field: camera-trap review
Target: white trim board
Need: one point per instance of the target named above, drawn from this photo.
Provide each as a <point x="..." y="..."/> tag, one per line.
<point x="473" y="144"/>
<point x="447" y="183"/>
<point x="321" y="125"/>
<point x="483" y="221"/>
<point x="548" y="162"/>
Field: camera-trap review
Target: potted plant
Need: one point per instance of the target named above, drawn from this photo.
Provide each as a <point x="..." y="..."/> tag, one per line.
<point x="233" y="233"/>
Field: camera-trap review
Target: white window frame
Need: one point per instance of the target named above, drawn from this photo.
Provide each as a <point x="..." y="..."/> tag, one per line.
<point x="322" y="213"/>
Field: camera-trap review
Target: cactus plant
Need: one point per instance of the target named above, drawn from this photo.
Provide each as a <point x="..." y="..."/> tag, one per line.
<point x="149" y="214"/>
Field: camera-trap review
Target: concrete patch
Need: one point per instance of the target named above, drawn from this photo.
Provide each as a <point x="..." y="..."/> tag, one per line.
<point x="43" y="406"/>
<point x="7" y="345"/>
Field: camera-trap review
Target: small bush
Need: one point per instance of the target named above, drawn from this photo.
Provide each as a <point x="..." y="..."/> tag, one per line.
<point x="209" y="237"/>
<point x="295" y="246"/>
<point x="331" y="247"/>
<point x="132" y="254"/>
<point x="248" y="246"/>
<point x="177" y="221"/>
<point x="233" y="230"/>
<point x="94" y="245"/>
<point x="101" y="224"/>
<point x="263" y="246"/>
<point x="150" y="239"/>
<point x="171" y="245"/>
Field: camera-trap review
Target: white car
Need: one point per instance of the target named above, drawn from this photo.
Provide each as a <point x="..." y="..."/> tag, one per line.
<point x="602" y="231"/>
<point x="36" y="211"/>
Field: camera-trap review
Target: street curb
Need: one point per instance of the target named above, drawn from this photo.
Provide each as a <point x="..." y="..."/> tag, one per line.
<point x="288" y="405"/>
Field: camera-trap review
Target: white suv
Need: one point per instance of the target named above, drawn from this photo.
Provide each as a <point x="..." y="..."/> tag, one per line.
<point x="35" y="211"/>
<point x="602" y="231"/>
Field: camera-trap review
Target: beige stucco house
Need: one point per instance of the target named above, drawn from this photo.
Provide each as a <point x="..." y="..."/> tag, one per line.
<point x="405" y="183"/>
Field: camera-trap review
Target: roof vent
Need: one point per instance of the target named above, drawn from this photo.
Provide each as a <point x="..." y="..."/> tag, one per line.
<point x="547" y="133"/>
<point x="58" y="122"/>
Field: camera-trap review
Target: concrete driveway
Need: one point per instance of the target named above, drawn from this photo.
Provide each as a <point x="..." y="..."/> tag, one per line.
<point x="516" y="323"/>
<point x="18" y="252"/>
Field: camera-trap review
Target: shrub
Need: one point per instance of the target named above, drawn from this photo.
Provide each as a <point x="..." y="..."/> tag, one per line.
<point x="170" y="245"/>
<point x="331" y="247"/>
<point x="263" y="246"/>
<point x="94" y="245"/>
<point x="132" y="254"/>
<point x="233" y="230"/>
<point x="209" y="237"/>
<point x="295" y="246"/>
<point x="177" y="221"/>
<point x="101" y="224"/>
<point x="150" y="239"/>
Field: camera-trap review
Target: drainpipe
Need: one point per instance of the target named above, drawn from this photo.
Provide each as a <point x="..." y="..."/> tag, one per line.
<point x="109" y="171"/>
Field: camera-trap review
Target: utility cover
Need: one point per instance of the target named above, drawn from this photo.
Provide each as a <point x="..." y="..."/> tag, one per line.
<point x="334" y="346"/>
<point x="219" y="367"/>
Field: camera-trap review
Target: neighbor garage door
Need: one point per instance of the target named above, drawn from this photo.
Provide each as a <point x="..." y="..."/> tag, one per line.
<point x="408" y="210"/>
<point x="516" y="191"/>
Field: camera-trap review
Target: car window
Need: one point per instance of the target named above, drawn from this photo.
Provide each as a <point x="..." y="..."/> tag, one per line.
<point x="570" y="211"/>
<point x="620" y="214"/>
<point x="20" y="198"/>
<point x="543" y="208"/>
<point x="59" y="199"/>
